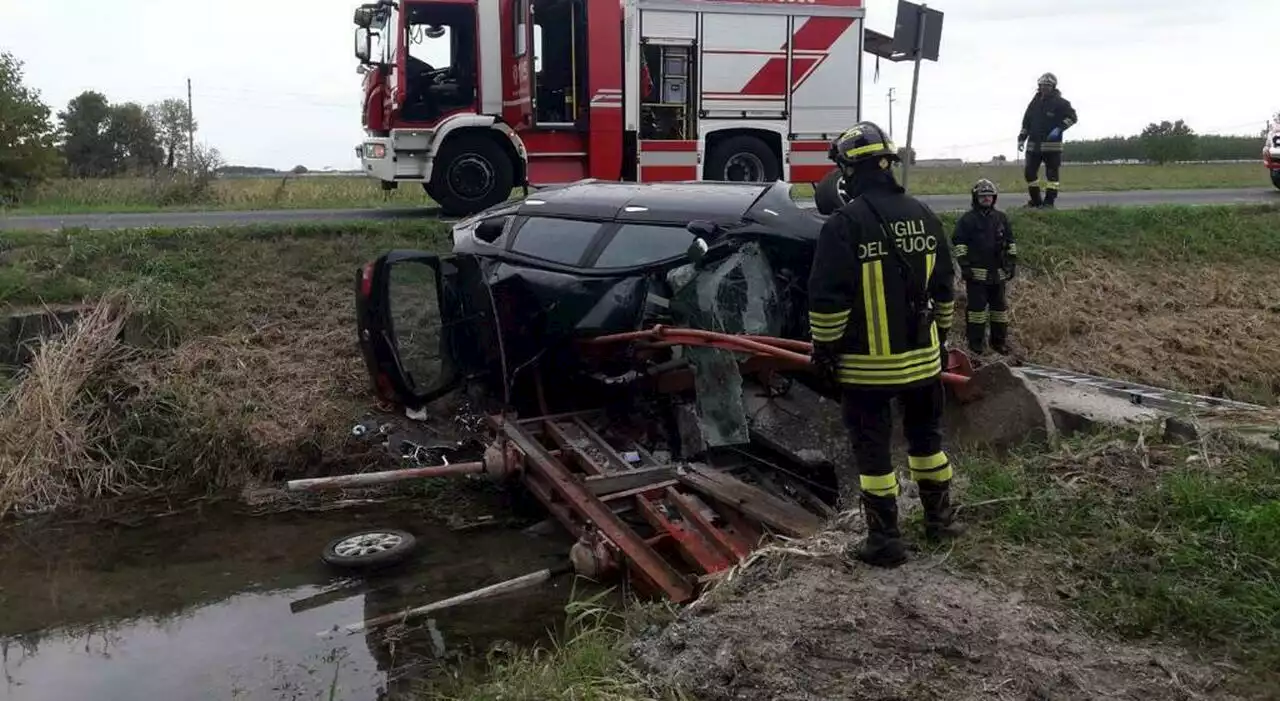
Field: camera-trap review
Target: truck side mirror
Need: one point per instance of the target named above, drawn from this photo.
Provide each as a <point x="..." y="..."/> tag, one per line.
<point x="364" y="44"/>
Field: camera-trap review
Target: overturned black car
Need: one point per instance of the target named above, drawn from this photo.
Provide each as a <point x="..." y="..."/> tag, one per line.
<point x="526" y="280"/>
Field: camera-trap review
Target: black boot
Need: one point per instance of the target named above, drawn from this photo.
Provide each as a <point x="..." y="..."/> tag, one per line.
<point x="1050" y="196"/>
<point x="939" y="516"/>
<point x="1034" y="191"/>
<point x="883" y="546"/>
<point x="977" y="338"/>
<point x="1000" y="338"/>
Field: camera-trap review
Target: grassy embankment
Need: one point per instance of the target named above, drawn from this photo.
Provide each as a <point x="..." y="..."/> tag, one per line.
<point x="137" y="195"/>
<point x="238" y="365"/>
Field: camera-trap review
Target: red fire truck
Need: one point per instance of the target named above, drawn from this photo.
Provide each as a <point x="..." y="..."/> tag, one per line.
<point x="471" y="98"/>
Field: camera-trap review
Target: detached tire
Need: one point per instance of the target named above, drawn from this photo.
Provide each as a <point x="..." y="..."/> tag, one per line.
<point x="827" y="196"/>
<point x="471" y="174"/>
<point x="743" y="159"/>
<point x="371" y="549"/>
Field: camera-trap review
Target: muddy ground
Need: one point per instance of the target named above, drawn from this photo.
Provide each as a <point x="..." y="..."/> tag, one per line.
<point x="807" y="623"/>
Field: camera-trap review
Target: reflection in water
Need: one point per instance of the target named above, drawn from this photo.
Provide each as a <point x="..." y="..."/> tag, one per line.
<point x="260" y="638"/>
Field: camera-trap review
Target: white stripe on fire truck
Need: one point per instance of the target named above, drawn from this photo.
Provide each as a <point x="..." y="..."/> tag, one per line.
<point x="809" y="158"/>
<point x="668" y="158"/>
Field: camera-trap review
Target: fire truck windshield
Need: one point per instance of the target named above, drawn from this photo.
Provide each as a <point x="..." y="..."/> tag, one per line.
<point x="440" y="75"/>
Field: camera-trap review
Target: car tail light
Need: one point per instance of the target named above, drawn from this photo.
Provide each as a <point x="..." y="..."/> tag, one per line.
<point x="366" y="280"/>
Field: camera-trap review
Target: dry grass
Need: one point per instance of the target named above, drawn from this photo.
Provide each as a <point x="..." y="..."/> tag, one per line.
<point x="54" y="422"/>
<point x="1212" y="329"/>
<point x="322" y="192"/>
<point x="238" y="364"/>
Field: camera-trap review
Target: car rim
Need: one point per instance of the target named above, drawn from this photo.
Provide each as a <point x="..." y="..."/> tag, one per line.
<point x="471" y="177"/>
<point x="367" y="544"/>
<point x="744" y="167"/>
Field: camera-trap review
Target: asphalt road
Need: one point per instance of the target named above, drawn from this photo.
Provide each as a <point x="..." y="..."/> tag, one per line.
<point x="1069" y="200"/>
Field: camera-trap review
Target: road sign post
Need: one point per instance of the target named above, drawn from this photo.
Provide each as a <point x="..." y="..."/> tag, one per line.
<point x="918" y="34"/>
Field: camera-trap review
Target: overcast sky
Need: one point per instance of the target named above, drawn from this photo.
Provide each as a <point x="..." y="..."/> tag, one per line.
<point x="275" y="82"/>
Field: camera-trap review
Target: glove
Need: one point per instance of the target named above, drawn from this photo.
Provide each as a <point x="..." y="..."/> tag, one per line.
<point x="1010" y="271"/>
<point x="966" y="274"/>
<point x="1022" y="141"/>
<point x="1055" y="134"/>
<point x="942" y="347"/>
<point x="826" y="362"/>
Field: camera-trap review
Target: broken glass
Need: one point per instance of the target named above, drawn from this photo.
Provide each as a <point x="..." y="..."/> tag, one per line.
<point x="734" y="295"/>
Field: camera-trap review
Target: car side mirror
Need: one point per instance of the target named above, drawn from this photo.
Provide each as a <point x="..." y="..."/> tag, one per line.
<point x="697" y="250"/>
<point x="702" y="231"/>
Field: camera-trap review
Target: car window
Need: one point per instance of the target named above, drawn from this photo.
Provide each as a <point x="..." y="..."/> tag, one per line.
<point x="558" y="240"/>
<point x="640" y="244"/>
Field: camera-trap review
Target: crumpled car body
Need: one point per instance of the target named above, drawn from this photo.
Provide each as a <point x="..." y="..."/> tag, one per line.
<point x="526" y="279"/>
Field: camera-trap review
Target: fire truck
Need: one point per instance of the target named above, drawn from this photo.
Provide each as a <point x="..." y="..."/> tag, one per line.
<point x="472" y="98"/>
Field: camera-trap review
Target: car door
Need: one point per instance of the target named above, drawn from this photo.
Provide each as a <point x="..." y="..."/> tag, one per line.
<point x="405" y="309"/>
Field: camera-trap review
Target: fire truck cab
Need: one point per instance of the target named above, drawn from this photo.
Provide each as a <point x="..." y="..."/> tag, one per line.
<point x="471" y="98"/>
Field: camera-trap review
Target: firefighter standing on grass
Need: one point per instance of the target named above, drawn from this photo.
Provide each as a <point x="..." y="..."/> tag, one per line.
<point x="880" y="302"/>
<point x="1048" y="115"/>
<point x="988" y="257"/>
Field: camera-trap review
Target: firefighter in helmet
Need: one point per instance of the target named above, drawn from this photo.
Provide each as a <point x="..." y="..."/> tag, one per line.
<point x="1048" y="115"/>
<point x="880" y="304"/>
<point x="988" y="256"/>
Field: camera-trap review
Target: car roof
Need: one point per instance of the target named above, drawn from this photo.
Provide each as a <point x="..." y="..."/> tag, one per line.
<point x="671" y="202"/>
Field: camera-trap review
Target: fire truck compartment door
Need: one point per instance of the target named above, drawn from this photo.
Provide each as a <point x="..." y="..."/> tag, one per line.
<point x="744" y="65"/>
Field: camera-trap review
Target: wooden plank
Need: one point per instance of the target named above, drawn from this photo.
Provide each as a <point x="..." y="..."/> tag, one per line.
<point x="609" y="483"/>
<point x="778" y="514"/>
<point x="638" y="491"/>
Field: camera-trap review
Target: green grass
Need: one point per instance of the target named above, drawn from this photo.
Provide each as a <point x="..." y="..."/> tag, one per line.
<point x="587" y="662"/>
<point x="1146" y="539"/>
<point x="327" y="192"/>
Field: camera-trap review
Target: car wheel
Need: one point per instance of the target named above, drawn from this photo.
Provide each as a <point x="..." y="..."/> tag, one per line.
<point x="1275" y="178"/>
<point x="743" y="159"/>
<point x="372" y="549"/>
<point x="826" y="195"/>
<point x="472" y="173"/>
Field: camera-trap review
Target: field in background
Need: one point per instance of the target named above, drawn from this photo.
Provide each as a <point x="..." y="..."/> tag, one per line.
<point x="329" y="192"/>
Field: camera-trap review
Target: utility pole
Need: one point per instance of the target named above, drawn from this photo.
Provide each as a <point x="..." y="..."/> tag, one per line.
<point x="191" y="132"/>
<point x="892" y="100"/>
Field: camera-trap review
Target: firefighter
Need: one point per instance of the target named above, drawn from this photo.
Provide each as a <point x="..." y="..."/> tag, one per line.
<point x="987" y="254"/>
<point x="1048" y="115"/>
<point x="880" y="304"/>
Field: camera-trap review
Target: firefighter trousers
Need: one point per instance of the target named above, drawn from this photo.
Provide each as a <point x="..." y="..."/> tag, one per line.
<point x="868" y="416"/>
<point x="1052" y="161"/>
<point x="986" y="305"/>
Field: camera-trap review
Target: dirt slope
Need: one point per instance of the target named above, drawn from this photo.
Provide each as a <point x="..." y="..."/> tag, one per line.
<point x="812" y="625"/>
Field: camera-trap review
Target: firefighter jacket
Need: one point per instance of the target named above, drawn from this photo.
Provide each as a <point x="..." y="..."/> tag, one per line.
<point x="1043" y="115"/>
<point x="984" y="246"/>
<point x="881" y="288"/>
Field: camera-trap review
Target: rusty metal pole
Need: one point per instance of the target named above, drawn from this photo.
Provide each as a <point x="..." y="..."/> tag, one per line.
<point x="368" y="479"/>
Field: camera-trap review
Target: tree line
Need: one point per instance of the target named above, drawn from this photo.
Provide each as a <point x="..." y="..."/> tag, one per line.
<point x="1166" y="142"/>
<point x="92" y="137"/>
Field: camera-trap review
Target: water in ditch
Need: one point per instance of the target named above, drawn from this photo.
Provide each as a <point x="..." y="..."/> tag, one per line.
<point x="215" y="604"/>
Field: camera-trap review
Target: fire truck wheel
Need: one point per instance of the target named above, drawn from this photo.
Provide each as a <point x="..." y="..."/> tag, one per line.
<point x="743" y="159"/>
<point x="472" y="173"/>
<point x="826" y="195"/>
